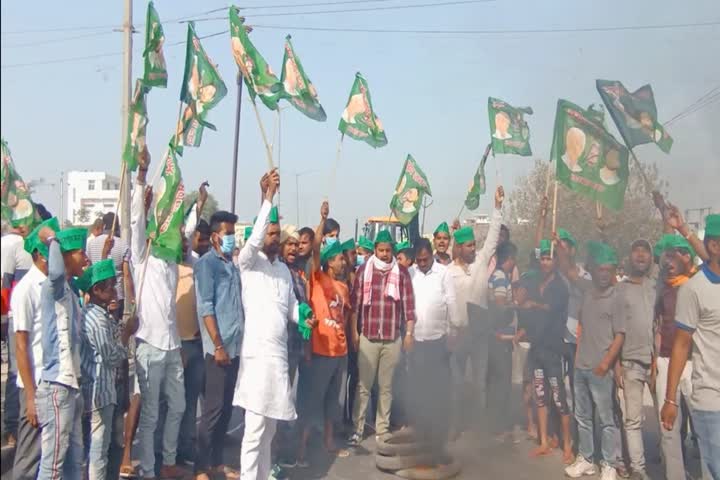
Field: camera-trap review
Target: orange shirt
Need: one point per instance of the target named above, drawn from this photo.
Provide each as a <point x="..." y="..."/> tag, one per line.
<point x="330" y="301"/>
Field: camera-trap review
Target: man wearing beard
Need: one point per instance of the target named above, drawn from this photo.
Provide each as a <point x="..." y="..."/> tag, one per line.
<point x="633" y="371"/>
<point x="304" y="249"/>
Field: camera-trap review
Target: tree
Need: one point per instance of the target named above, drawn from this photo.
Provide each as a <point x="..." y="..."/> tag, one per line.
<point x="83" y="215"/>
<point x="578" y="214"/>
<point x="211" y="206"/>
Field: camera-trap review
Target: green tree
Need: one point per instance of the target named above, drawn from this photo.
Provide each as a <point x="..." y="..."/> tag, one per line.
<point x="211" y="205"/>
<point x="83" y="215"/>
<point x="578" y="214"/>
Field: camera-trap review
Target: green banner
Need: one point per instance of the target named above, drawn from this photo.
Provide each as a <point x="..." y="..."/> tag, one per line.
<point x="409" y="192"/>
<point x="167" y="217"/>
<point x="297" y="87"/>
<point x="589" y="160"/>
<point x="17" y="206"/>
<point x="635" y="114"/>
<point x="477" y="186"/>
<point x="135" y="142"/>
<point x="509" y="131"/>
<point x="155" y="68"/>
<point x="358" y="120"/>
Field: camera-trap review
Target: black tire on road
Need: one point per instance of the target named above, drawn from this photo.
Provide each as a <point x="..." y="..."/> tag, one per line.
<point x="400" y="462"/>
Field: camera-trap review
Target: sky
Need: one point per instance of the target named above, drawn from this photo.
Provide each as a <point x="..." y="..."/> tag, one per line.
<point x="430" y="90"/>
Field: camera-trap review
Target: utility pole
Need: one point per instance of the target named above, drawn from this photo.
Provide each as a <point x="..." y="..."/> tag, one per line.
<point x="237" y="142"/>
<point x="126" y="96"/>
<point x="62" y="202"/>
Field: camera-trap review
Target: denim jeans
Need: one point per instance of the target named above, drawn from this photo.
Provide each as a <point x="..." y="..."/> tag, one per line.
<point x="635" y="377"/>
<point x="11" y="402"/>
<point x="100" y="429"/>
<point x="60" y="410"/>
<point x="707" y="428"/>
<point x="591" y="390"/>
<point x="194" y="373"/>
<point x="159" y="372"/>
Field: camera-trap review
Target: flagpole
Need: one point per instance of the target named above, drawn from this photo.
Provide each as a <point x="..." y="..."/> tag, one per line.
<point x="460" y="212"/>
<point x="123" y="172"/>
<point x="333" y="172"/>
<point x="236" y="145"/>
<point x="554" y="218"/>
<point x="279" y="144"/>
<point x="178" y="139"/>
<point x="268" y="151"/>
<point x="648" y="184"/>
<point x="547" y="179"/>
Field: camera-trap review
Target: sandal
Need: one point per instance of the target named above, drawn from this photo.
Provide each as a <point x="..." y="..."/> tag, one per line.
<point x="127" y="471"/>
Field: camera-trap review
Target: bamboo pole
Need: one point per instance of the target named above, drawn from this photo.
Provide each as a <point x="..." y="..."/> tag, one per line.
<point x="268" y="150"/>
<point x="554" y="219"/>
<point x="333" y="171"/>
<point x="123" y="171"/>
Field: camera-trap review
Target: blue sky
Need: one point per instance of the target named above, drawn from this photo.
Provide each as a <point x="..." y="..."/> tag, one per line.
<point x="430" y="91"/>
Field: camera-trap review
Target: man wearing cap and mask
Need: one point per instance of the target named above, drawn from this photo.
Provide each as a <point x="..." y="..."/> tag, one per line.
<point x="58" y="398"/>
<point x="469" y="272"/>
<point x="698" y="326"/>
<point x="383" y="302"/>
<point x="441" y="242"/>
<point x="365" y="249"/>
<point x="27" y="323"/>
<point x="634" y="370"/>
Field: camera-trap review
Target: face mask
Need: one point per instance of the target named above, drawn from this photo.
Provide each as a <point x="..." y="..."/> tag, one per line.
<point x="359" y="261"/>
<point x="330" y="241"/>
<point x="228" y="244"/>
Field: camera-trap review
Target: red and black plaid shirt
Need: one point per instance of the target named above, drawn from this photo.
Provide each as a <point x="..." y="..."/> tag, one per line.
<point x="382" y="319"/>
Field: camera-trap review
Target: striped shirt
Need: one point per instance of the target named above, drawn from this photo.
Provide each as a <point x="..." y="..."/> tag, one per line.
<point x="101" y="355"/>
<point x="119" y="254"/>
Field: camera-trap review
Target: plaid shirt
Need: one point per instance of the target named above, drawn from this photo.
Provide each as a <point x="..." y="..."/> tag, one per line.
<point x="383" y="318"/>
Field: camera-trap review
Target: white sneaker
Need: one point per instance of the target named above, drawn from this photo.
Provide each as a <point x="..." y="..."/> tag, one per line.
<point x="608" y="473"/>
<point x="581" y="467"/>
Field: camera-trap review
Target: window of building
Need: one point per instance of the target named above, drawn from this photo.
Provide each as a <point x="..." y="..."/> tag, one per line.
<point x="91" y="184"/>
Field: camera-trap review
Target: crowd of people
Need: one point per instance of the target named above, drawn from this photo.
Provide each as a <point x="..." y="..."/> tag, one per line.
<point x="300" y="332"/>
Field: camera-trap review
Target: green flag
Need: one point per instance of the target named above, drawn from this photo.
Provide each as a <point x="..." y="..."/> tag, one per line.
<point x="508" y="129"/>
<point x="358" y="120"/>
<point x="155" y="68"/>
<point x="202" y="89"/>
<point x="259" y="78"/>
<point x="167" y="217"/>
<point x="478" y="185"/>
<point x="297" y="87"/>
<point x="137" y="126"/>
<point x="589" y="160"/>
<point x="411" y="188"/>
<point x="634" y="114"/>
<point x="17" y="207"/>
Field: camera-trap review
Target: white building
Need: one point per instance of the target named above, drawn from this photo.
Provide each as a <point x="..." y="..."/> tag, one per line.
<point x="89" y="195"/>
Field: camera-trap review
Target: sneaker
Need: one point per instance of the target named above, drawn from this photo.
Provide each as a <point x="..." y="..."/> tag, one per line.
<point x="277" y="473"/>
<point x="608" y="473"/>
<point x="354" y="440"/>
<point x="383" y="437"/>
<point x="580" y="467"/>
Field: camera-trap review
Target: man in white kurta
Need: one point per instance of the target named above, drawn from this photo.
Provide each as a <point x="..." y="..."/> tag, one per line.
<point x="263" y="386"/>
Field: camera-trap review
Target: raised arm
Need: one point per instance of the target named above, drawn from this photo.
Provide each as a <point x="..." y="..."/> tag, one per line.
<point x="249" y="252"/>
<point x="324" y="213"/>
<point x="540" y="227"/>
<point x="138" y="218"/>
<point x="491" y="241"/>
<point x="675" y="220"/>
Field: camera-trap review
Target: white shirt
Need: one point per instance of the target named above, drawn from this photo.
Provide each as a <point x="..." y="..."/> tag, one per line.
<point x="471" y="280"/>
<point x="25" y="304"/>
<point x="156" y="302"/>
<point x="263" y="384"/>
<point x="435" y="305"/>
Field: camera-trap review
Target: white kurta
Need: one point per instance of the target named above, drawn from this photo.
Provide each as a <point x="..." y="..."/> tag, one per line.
<point x="263" y="384"/>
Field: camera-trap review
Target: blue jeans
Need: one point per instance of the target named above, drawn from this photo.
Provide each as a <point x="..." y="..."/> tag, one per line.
<point x="60" y="410"/>
<point x="707" y="429"/>
<point x="101" y="424"/>
<point x="598" y="391"/>
<point x="159" y="372"/>
<point x="192" y="353"/>
<point x="12" y="398"/>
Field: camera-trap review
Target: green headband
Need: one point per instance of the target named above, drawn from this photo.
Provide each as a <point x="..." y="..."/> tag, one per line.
<point x="32" y="241"/>
<point x="464" y="235"/>
<point x="567" y="236"/>
<point x="545" y="246"/>
<point x="348" y="245"/>
<point x="384" y="236"/>
<point x="712" y="225"/>
<point x="403" y="246"/>
<point x="670" y="241"/>
<point x="330" y="251"/>
<point x="365" y="243"/>
<point x="602" y="253"/>
<point x="442" y="228"/>
<point x="96" y="273"/>
<point x="274" y="217"/>
<point x="72" y="239"/>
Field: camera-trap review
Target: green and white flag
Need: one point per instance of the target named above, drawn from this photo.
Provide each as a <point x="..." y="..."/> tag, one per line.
<point x="137" y="126"/>
<point x="478" y="184"/>
<point x="259" y="78"/>
<point x="635" y="114"/>
<point x="17" y="207"/>
<point x="409" y="192"/>
<point x="508" y="129"/>
<point x="297" y="87"/>
<point x="589" y="159"/>
<point x="167" y="217"/>
<point x="202" y="89"/>
<point x="155" y="68"/>
<point x="358" y="120"/>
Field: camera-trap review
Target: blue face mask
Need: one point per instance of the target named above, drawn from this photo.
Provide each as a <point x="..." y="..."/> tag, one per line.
<point x="228" y="244"/>
<point x="360" y="261"/>
<point x="330" y="241"/>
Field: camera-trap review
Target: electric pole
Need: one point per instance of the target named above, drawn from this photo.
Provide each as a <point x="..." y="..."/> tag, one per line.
<point x="126" y="96"/>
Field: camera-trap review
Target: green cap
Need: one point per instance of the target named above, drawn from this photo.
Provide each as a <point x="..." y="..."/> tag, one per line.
<point x="567" y="236"/>
<point x="712" y="225"/>
<point x="96" y="273"/>
<point x="329" y="251"/>
<point x="365" y="243"/>
<point x="348" y="245"/>
<point x="384" y="236"/>
<point x="403" y="246"/>
<point x="464" y="235"/>
<point x="442" y="228"/>
<point x="602" y="253"/>
<point x="274" y="217"/>
<point x="248" y="232"/>
<point x="545" y="246"/>
<point x="32" y="241"/>
<point x="670" y="240"/>
<point x="72" y="239"/>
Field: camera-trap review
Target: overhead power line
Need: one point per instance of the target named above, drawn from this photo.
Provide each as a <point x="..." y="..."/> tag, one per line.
<point x="57" y="40"/>
<point x="704" y="101"/>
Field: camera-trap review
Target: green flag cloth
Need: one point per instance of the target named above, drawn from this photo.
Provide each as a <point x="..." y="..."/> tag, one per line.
<point x="589" y="160"/>
<point x="297" y="87"/>
<point x="508" y="129"/>
<point x="411" y="188"/>
<point x="259" y="78"/>
<point x="137" y="126"/>
<point x="635" y="114"/>
<point x="202" y="89"/>
<point x="17" y="207"/>
<point x="167" y="217"/>
<point x="155" y="74"/>
<point x="477" y="187"/>
<point x="358" y="120"/>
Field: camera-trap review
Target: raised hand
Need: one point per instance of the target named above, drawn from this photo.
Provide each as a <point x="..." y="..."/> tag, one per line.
<point x="499" y="197"/>
<point x="324" y="210"/>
